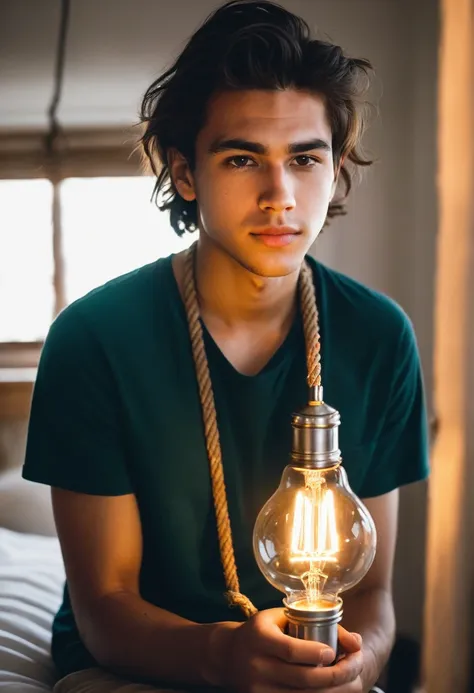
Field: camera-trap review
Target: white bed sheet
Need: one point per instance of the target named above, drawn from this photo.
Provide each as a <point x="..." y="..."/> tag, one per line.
<point x="31" y="584"/>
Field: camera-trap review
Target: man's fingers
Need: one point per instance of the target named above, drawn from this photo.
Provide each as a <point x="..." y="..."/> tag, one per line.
<point x="344" y="672"/>
<point x="349" y="642"/>
<point x="354" y="687"/>
<point x="300" y="677"/>
<point x="295" y="651"/>
<point x="275" y="643"/>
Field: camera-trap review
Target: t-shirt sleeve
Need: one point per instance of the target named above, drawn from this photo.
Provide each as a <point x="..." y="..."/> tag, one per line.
<point x="401" y="454"/>
<point x="75" y="437"/>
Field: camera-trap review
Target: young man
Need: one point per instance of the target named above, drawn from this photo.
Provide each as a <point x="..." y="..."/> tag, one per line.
<point x="249" y="133"/>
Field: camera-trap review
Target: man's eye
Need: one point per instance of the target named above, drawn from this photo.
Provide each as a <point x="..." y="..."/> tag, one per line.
<point x="305" y="161"/>
<point x="239" y="161"/>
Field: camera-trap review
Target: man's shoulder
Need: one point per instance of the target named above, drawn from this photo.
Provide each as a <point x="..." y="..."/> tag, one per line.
<point x="113" y="311"/>
<point x="120" y="293"/>
<point x="358" y="307"/>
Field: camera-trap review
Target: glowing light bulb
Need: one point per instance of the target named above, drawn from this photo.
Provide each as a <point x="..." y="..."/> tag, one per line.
<point x="314" y="538"/>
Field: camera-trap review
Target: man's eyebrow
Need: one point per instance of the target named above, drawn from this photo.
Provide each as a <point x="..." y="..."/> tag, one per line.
<point x="310" y="145"/>
<point x="223" y="145"/>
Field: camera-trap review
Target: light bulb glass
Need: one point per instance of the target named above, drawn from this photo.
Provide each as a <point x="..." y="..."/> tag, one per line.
<point x="314" y="538"/>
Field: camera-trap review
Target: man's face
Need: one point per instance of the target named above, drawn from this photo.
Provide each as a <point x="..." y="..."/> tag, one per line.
<point x="264" y="177"/>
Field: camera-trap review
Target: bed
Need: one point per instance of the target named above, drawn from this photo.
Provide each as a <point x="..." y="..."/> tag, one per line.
<point x="31" y="584"/>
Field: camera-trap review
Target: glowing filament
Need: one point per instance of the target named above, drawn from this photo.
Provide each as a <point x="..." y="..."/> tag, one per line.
<point x="314" y="536"/>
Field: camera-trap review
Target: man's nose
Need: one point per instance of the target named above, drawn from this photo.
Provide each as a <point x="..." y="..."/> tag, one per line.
<point x="278" y="192"/>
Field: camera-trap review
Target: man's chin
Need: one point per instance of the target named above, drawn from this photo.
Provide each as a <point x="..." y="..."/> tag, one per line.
<point x="272" y="265"/>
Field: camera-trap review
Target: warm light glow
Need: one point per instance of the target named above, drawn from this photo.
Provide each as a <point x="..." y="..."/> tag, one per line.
<point x="314" y="537"/>
<point x="297" y="523"/>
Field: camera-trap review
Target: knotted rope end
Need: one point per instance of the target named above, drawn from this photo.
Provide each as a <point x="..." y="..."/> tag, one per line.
<point x="243" y="602"/>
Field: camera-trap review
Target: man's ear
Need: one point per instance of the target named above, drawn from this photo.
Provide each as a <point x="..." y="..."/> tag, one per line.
<point x="181" y="175"/>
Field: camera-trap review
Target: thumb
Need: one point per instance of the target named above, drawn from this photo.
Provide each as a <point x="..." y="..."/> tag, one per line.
<point x="273" y="618"/>
<point x="349" y="642"/>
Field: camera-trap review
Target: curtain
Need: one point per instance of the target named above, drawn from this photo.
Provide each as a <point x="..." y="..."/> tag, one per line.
<point x="448" y="634"/>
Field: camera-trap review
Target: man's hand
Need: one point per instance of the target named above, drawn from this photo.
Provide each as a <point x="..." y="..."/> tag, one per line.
<point x="258" y="657"/>
<point x="347" y="644"/>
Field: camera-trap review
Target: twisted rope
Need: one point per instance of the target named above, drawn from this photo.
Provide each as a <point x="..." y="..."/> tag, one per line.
<point x="214" y="452"/>
<point x="309" y="311"/>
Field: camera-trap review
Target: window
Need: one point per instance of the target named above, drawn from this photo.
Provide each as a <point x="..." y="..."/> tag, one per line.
<point x="26" y="260"/>
<point x="108" y="226"/>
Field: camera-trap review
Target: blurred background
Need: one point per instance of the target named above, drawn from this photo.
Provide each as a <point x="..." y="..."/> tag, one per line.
<point x="77" y="213"/>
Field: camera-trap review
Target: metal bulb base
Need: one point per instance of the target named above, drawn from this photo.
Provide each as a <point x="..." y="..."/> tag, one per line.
<point x="317" y="625"/>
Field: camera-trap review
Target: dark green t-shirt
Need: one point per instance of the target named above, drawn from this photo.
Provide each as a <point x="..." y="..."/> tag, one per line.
<point x="116" y="410"/>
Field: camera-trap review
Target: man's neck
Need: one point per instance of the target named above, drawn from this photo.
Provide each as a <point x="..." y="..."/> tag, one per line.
<point x="234" y="297"/>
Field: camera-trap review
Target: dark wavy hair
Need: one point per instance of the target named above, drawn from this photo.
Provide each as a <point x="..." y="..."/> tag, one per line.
<point x="249" y="45"/>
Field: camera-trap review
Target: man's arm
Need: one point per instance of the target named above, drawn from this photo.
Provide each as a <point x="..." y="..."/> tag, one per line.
<point x="101" y="542"/>
<point x="368" y="609"/>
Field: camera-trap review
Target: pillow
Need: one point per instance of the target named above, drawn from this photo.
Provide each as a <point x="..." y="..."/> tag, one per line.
<point x="31" y="584"/>
<point x="25" y="506"/>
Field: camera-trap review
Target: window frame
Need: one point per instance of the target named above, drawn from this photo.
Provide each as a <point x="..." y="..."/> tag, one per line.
<point x="85" y="153"/>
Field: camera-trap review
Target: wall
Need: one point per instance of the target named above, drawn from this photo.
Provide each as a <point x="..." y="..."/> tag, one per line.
<point x="386" y="241"/>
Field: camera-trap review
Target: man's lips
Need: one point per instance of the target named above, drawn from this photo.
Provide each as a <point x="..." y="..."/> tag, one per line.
<point x="276" y="231"/>
<point x="276" y="236"/>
